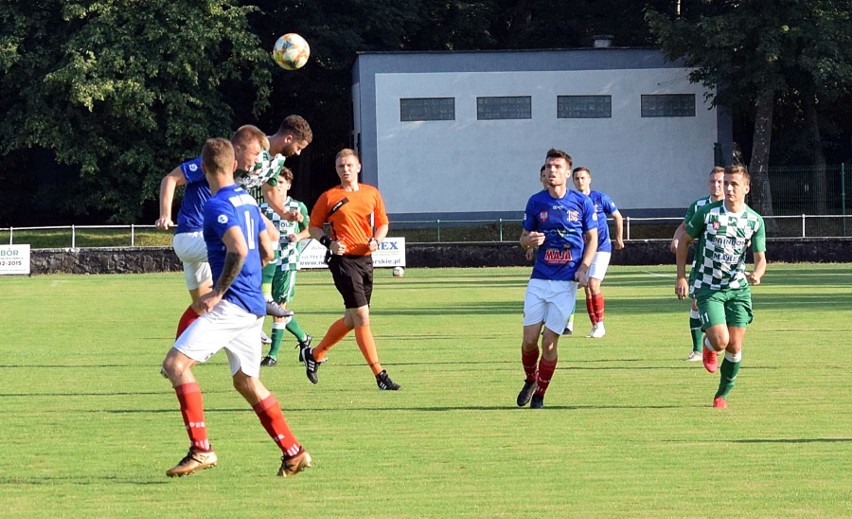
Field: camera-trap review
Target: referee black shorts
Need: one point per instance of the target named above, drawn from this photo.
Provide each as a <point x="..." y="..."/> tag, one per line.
<point x="353" y="277"/>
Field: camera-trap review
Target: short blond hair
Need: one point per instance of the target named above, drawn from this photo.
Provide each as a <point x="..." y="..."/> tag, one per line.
<point x="217" y="156"/>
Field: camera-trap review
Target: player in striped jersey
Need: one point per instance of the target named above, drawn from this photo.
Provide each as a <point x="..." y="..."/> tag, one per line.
<point x="293" y="230"/>
<point x="715" y="181"/>
<point x="720" y="280"/>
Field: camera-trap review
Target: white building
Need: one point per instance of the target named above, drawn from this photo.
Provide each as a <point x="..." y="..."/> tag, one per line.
<point x="462" y="135"/>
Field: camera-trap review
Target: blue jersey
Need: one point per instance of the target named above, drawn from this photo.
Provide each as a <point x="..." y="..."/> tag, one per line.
<point x="604" y="206"/>
<point x="229" y="207"/>
<point x="564" y="222"/>
<point x="195" y="195"/>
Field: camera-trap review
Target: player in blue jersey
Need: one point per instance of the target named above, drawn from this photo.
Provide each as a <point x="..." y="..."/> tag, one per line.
<point x="188" y="242"/>
<point x="562" y="224"/>
<point x="231" y="316"/>
<point x="604" y="206"/>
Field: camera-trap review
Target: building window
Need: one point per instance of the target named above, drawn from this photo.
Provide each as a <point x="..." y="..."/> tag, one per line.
<point x="427" y="109"/>
<point x="517" y="107"/>
<point x="583" y="107"/>
<point x="668" y="105"/>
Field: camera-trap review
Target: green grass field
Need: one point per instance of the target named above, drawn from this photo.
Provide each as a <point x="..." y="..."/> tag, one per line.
<point x="89" y="426"/>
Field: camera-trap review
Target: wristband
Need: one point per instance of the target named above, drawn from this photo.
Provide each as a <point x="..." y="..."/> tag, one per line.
<point x="325" y="241"/>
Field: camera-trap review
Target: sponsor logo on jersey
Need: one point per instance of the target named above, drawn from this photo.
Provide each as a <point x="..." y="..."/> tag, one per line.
<point x="557" y="256"/>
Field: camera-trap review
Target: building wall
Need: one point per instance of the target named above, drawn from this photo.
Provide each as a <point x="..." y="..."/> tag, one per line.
<point x="469" y="168"/>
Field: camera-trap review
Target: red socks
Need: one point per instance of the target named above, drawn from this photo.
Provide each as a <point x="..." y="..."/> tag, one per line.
<point x="272" y="419"/>
<point x="192" y="410"/>
<point x="595" y="307"/>
<point x="186" y="319"/>
<point x="529" y="359"/>
<point x="545" y="373"/>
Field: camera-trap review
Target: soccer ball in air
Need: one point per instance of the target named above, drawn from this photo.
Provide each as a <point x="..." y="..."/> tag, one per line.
<point x="291" y="51"/>
<point x="398" y="272"/>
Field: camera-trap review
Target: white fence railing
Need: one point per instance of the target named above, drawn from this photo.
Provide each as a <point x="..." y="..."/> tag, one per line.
<point x="796" y="226"/>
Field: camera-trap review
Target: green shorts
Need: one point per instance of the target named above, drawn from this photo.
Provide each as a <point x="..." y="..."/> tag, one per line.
<point x="284" y="285"/>
<point x="731" y="307"/>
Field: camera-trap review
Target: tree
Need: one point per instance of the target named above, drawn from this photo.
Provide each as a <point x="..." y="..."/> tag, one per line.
<point x="121" y="94"/>
<point x="756" y="51"/>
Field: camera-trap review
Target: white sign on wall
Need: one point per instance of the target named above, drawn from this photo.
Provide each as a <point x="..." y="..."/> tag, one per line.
<point x="391" y="253"/>
<point x="14" y="259"/>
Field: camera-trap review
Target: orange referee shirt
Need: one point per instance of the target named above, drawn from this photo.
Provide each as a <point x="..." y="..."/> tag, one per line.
<point x="353" y="221"/>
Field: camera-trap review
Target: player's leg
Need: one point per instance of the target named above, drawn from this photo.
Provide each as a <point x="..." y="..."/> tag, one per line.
<point x="192" y="251"/>
<point x="197" y="344"/>
<point x="292" y="325"/>
<point x="276" y="292"/>
<point x="739" y="315"/>
<point x="695" y="332"/>
<point x="730" y="366"/>
<point x="244" y="358"/>
<point x="533" y="321"/>
<point x="313" y="357"/>
<point x="594" y="296"/>
<point x="560" y="300"/>
<point x="711" y="310"/>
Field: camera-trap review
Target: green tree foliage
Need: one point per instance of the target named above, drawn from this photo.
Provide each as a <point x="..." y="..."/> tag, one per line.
<point x="760" y="52"/>
<point x="121" y="91"/>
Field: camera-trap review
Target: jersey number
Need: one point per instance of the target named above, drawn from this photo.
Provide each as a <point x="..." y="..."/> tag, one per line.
<point x="250" y="229"/>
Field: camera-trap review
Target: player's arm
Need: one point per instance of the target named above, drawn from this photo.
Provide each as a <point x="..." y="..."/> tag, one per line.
<point x="275" y="199"/>
<point x="619" y="229"/>
<point x="319" y="235"/>
<point x="168" y="185"/>
<point x="589" y="250"/>
<point x="681" y="286"/>
<point x="678" y="235"/>
<point x="267" y="246"/>
<point x="378" y="236"/>
<point x="759" y="268"/>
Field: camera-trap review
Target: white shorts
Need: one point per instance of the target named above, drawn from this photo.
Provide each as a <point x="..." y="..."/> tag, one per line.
<point x="550" y="302"/>
<point x="599" y="265"/>
<point x="226" y="326"/>
<point x="192" y="251"/>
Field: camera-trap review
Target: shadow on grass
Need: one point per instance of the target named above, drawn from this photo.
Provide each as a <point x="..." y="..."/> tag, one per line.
<point x="76" y="480"/>
<point x="791" y="440"/>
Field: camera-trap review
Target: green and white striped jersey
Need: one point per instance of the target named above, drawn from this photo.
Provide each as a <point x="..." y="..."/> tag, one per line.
<point x="288" y="252"/>
<point x="690" y="212"/>
<point x="265" y="171"/>
<point x="720" y="259"/>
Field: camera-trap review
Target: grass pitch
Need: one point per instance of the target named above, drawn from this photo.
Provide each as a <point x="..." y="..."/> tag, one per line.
<point x="89" y="426"/>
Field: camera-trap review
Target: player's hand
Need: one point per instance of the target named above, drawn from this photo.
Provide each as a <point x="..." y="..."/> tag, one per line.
<point x="673" y="246"/>
<point x="292" y="238"/>
<point x="619" y="244"/>
<point x="752" y="278"/>
<point x="206" y="302"/>
<point x="681" y="288"/>
<point x="582" y="276"/>
<point x="535" y="238"/>
<point x="530" y="253"/>
<point x="338" y="248"/>
<point x="164" y="223"/>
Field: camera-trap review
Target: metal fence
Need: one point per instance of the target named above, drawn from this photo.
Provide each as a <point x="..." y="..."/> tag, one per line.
<point x="455" y="231"/>
<point x="806" y="201"/>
